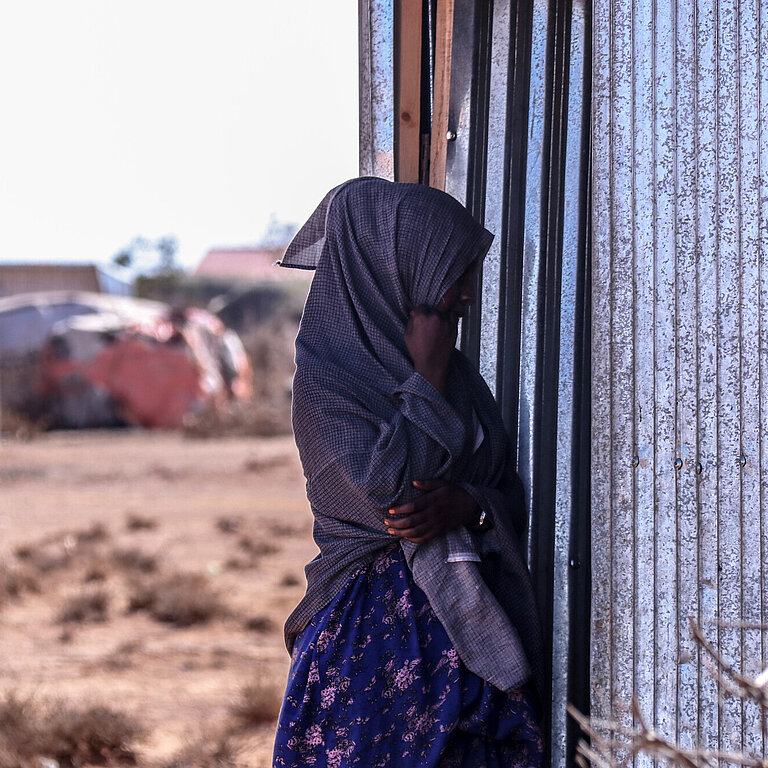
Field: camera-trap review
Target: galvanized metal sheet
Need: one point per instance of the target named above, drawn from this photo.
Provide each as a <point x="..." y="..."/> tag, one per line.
<point x="566" y="560"/>
<point x="705" y="227"/>
<point x="761" y="457"/>
<point x="495" y="198"/>
<point x="530" y="299"/>
<point x="377" y="95"/>
<point x="601" y="650"/>
<point x="460" y="107"/>
<point x="687" y="344"/>
<point x="679" y="362"/>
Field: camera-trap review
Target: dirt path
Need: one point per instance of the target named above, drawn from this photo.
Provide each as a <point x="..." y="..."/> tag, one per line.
<point x="115" y="520"/>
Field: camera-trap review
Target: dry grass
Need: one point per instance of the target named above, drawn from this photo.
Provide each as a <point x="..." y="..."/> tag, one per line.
<point x="123" y="657"/>
<point x="267" y="462"/>
<point x="258" y="703"/>
<point x="229" y="524"/>
<point x="256" y="548"/>
<point x="137" y="522"/>
<point x="290" y="580"/>
<point x="134" y="663"/>
<point x="611" y="743"/>
<point x="282" y="530"/>
<point x="33" y="731"/>
<point x="15" y="580"/>
<point x="91" y="605"/>
<point x="62" y="550"/>
<point x="96" y="532"/>
<point x="133" y="559"/>
<point x="260" y="624"/>
<point x="97" y="570"/>
<point x="214" y="750"/>
<point x="181" y="599"/>
<point x="46" y="557"/>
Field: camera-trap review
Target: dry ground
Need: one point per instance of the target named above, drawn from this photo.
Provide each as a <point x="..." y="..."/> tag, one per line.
<point x="95" y="530"/>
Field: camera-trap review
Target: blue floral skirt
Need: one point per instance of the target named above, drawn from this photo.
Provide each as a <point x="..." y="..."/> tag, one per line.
<point x="375" y="682"/>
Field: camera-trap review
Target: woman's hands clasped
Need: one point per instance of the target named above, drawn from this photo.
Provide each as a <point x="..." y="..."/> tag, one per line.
<point x="441" y="508"/>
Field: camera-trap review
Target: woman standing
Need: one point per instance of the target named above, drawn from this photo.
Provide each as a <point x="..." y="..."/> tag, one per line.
<point x="417" y="641"/>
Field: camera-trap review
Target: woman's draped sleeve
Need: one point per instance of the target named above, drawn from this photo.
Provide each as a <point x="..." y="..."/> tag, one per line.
<point x="358" y="466"/>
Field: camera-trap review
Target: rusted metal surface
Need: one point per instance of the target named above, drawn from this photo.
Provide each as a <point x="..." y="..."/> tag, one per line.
<point x="679" y="359"/>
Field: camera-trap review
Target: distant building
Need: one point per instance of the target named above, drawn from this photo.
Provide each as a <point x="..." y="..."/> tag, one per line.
<point x="30" y="278"/>
<point x="247" y="263"/>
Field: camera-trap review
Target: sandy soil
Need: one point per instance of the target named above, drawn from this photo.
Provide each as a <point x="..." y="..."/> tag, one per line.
<point x="231" y="509"/>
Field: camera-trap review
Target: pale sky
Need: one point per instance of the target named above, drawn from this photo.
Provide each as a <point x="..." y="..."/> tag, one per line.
<point x="190" y="118"/>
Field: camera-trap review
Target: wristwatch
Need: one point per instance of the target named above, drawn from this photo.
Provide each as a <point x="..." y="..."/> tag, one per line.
<point x="483" y="524"/>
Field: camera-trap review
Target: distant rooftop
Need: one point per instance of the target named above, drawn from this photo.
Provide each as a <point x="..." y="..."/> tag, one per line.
<point x="26" y="278"/>
<point x="252" y="264"/>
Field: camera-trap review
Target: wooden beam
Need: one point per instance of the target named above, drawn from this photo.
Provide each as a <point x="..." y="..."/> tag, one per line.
<point x="409" y="91"/>
<point x="443" y="46"/>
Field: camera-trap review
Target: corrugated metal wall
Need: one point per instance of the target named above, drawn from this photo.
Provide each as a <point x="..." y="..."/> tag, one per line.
<point x="680" y="357"/>
<point x="519" y="157"/>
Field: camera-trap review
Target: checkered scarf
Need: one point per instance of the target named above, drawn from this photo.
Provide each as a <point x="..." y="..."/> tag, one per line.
<point x="366" y="425"/>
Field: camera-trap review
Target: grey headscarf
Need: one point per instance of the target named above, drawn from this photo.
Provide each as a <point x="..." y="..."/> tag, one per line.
<point x="367" y="425"/>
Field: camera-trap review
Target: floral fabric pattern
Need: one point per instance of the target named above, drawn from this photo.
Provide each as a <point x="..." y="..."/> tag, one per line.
<point x="375" y="682"/>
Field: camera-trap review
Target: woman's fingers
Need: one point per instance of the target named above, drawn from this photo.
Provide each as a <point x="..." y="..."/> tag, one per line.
<point x="416" y="533"/>
<point x="429" y="485"/>
<point x="401" y="521"/>
<point x="442" y="507"/>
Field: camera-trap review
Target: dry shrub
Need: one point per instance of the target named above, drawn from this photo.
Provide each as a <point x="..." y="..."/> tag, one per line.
<point x="259" y="624"/>
<point x="88" y="606"/>
<point x="123" y="656"/>
<point x="24" y="551"/>
<point x="18" y="729"/>
<point x="265" y="463"/>
<point x="62" y="550"/>
<point x="96" y="734"/>
<point x="283" y="530"/>
<point x="97" y="570"/>
<point x="261" y="417"/>
<point x="229" y="524"/>
<point x="258" y="703"/>
<point x="182" y="599"/>
<point x="290" y="580"/>
<point x="137" y="522"/>
<point x="133" y="559"/>
<point x="49" y="562"/>
<point x="31" y="731"/>
<point x="20" y="426"/>
<point x="210" y="751"/>
<point x="96" y="532"/>
<point x="612" y="743"/>
<point x="256" y="548"/>
<point x="15" y="580"/>
<point x="45" y="558"/>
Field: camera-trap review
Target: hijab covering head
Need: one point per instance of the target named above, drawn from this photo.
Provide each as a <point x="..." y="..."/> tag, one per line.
<point x="380" y="249"/>
<point x="366" y="425"/>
